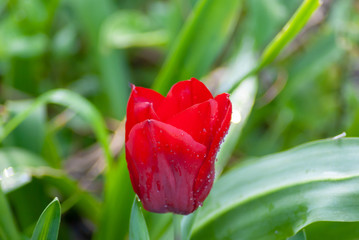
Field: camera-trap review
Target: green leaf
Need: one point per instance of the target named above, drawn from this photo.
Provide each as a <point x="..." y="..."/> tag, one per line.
<point x="126" y="29"/>
<point x="242" y="101"/>
<point x="14" y="165"/>
<point x="74" y="196"/>
<point x="118" y="200"/>
<point x="138" y="228"/>
<point x="289" y="31"/>
<point x="21" y="136"/>
<point x="18" y="167"/>
<point x="201" y="40"/>
<point x="333" y="231"/>
<point x="276" y="196"/>
<point x="111" y="65"/>
<point x="72" y="101"/>
<point x="299" y="236"/>
<point x="47" y="226"/>
<point x="8" y="230"/>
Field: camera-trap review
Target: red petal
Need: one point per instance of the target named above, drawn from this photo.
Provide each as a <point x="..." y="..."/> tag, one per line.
<point x="164" y="162"/>
<point x="183" y="95"/>
<point x="140" y="94"/>
<point x="141" y="106"/>
<point x="205" y="176"/>
<point x="198" y="121"/>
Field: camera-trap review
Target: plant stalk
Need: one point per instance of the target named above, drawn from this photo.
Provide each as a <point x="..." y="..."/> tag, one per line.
<point x="177" y="226"/>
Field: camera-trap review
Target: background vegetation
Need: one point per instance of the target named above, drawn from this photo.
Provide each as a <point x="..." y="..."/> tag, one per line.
<point x="55" y="143"/>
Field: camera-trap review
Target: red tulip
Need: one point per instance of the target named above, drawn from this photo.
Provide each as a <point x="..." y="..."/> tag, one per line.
<point x="172" y="142"/>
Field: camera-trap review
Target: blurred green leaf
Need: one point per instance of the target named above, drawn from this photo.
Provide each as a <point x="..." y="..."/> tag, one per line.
<point x="88" y="205"/>
<point x="112" y="65"/>
<point x="126" y="29"/>
<point x="23" y="136"/>
<point x="14" y="163"/>
<point x="289" y="31"/>
<point x="47" y="227"/>
<point x="138" y="228"/>
<point x="118" y="200"/>
<point x="276" y="196"/>
<point x="18" y="167"/>
<point x="70" y="100"/>
<point x="242" y="101"/>
<point x="204" y="35"/>
<point x="8" y="229"/>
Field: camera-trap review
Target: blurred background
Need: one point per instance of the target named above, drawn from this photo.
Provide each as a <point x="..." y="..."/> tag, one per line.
<point x="97" y="48"/>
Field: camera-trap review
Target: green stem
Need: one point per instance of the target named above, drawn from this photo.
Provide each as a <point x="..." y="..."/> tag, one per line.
<point x="177" y="226"/>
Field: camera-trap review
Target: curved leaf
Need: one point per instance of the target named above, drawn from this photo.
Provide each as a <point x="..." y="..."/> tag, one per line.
<point x="70" y="100"/>
<point x="47" y="226"/>
<point x="276" y="196"/>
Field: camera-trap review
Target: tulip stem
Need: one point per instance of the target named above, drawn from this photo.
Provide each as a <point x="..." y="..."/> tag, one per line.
<point x="177" y="226"/>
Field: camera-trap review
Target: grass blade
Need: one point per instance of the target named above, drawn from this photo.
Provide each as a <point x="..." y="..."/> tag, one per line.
<point x="289" y="31"/>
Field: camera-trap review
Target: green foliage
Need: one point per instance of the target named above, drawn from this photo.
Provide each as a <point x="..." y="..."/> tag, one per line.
<point x="291" y="69"/>
<point x="138" y="228"/>
<point x="208" y="27"/>
<point x="47" y="226"/>
<point x="311" y="183"/>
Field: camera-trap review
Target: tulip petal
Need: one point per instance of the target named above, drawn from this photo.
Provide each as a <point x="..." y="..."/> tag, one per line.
<point x="198" y="121"/>
<point x="182" y="96"/>
<point x="140" y="112"/>
<point x="166" y="161"/>
<point x="141" y="106"/>
<point x="140" y="94"/>
<point x="202" y="187"/>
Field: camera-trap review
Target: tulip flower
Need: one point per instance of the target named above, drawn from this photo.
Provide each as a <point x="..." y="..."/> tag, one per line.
<point x="172" y="143"/>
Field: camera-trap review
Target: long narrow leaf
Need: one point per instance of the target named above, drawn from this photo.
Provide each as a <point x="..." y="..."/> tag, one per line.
<point x="289" y="31"/>
<point x="118" y="199"/>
